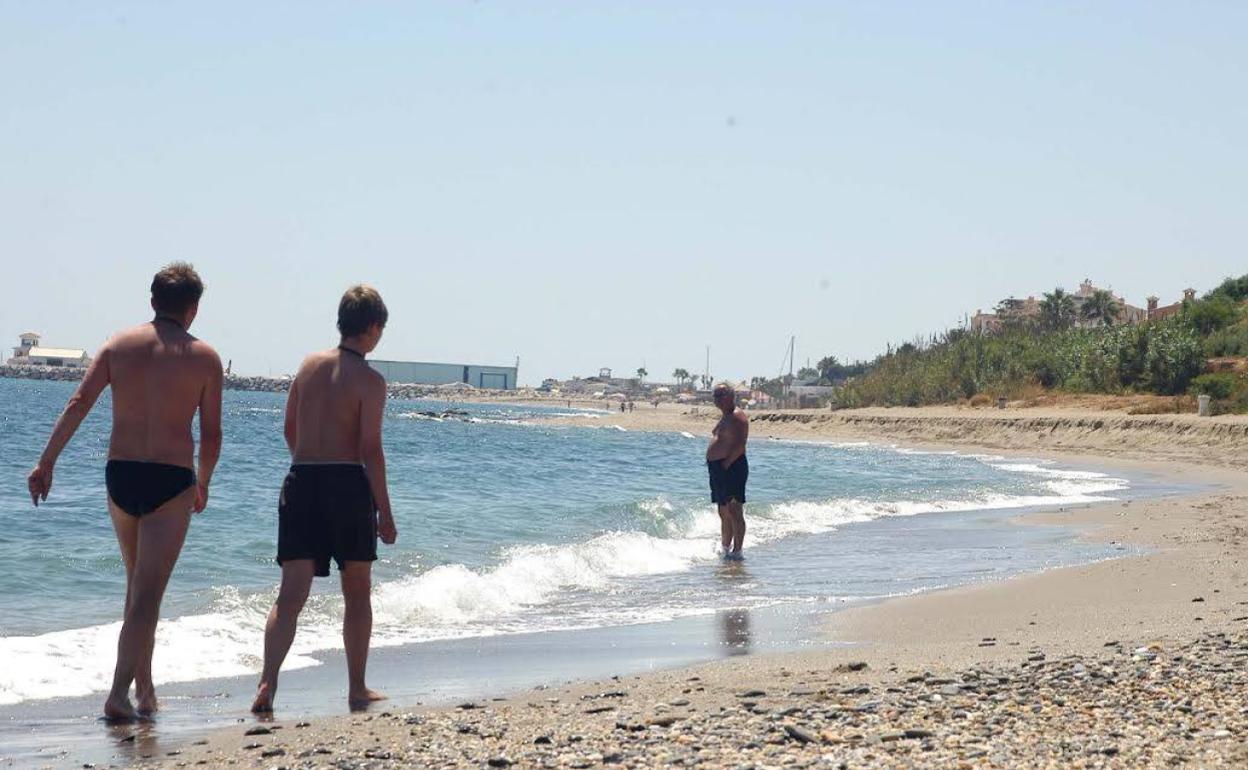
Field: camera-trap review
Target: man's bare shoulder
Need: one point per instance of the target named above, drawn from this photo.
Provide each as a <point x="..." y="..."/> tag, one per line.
<point x="741" y="417"/>
<point x="204" y="351"/>
<point x="134" y="335"/>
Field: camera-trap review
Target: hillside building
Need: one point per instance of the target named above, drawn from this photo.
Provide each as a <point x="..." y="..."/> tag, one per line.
<point x="1013" y="312"/>
<point x="1156" y="313"/>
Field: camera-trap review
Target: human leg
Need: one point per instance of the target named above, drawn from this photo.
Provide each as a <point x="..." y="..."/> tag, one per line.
<point x="736" y="513"/>
<point x="154" y="545"/>
<point x="357" y="629"/>
<point x="279" y="630"/>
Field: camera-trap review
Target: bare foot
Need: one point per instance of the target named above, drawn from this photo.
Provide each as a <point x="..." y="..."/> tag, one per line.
<point x="263" y="704"/>
<point x="145" y="698"/>
<point x="119" y="710"/>
<point x="359" y="701"/>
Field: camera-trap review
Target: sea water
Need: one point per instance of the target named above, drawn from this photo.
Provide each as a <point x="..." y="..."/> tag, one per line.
<point x="507" y="525"/>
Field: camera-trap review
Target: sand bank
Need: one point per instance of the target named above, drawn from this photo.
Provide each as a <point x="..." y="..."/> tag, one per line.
<point x="1134" y="662"/>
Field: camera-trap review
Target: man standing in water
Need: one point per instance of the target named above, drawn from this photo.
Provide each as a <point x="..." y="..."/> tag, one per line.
<point x="729" y="470"/>
<point x="160" y="376"/>
<point x="334" y="501"/>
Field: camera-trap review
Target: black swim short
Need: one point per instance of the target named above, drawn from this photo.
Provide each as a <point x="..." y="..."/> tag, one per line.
<point x="728" y="483"/>
<point x="326" y="511"/>
<point x="140" y="488"/>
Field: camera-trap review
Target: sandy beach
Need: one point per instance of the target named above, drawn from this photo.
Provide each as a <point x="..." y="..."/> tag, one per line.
<point x="1133" y="662"/>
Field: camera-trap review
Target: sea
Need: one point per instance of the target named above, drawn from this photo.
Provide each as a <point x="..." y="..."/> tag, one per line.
<point x="528" y="553"/>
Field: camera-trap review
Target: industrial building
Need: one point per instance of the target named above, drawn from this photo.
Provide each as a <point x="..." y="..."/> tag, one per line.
<point x="424" y="373"/>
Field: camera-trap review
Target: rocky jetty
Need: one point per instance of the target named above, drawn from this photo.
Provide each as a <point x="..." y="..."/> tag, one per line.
<point x="63" y="373"/>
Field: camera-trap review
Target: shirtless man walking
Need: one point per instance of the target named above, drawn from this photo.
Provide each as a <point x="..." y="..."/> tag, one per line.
<point x="729" y="470"/>
<point x="160" y="376"/>
<point x="334" y="501"/>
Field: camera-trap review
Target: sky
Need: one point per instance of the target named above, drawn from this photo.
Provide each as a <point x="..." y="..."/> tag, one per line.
<point x="589" y="184"/>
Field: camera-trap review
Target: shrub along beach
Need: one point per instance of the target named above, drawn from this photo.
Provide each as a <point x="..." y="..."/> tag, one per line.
<point x="1171" y="356"/>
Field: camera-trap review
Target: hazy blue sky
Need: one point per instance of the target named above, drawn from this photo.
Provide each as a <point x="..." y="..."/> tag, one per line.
<point x="590" y="184"/>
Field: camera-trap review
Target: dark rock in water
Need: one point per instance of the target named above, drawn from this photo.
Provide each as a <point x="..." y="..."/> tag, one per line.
<point x="543" y="740"/>
<point x="599" y="709"/>
<point x="916" y="734"/>
<point x="258" y="730"/>
<point x="753" y="694"/>
<point x="801" y="734"/>
<point x="468" y="706"/>
<point x="274" y="752"/>
<point x="613" y="758"/>
<point x="499" y="762"/>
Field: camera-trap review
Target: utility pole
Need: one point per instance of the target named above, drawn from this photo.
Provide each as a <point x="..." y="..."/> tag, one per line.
<point x="706" y="375"/>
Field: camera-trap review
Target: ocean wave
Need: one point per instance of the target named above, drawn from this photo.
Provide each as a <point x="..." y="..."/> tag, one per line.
<point x="529" y="588"/>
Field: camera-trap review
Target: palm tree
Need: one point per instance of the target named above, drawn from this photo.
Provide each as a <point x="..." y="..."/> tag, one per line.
<point x="641" y="373"/>
<point x="1100" y="307"/>
<point x="681" y="375"/>
<point x="1057" y="310"/>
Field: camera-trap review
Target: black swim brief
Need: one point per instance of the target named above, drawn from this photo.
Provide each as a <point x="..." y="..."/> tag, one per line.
<point x="140" y="488"/>
<point x="326" y="511"/>
<point x="728" y="483"/>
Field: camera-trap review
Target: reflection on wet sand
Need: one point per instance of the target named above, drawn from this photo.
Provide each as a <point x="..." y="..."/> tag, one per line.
<point x="734" y="626"/>
<point x="134" y="741"/>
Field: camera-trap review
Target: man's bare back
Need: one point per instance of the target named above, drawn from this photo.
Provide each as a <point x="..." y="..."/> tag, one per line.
<point x="160" y="374"/>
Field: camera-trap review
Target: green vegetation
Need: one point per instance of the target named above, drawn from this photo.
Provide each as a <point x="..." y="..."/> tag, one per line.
<point x="1164" y="357"/>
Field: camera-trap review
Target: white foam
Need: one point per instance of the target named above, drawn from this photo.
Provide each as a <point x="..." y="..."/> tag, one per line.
<point x="530" y="588"/>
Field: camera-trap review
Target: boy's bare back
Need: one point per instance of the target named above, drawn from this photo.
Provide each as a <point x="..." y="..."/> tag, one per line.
<point x="331" y="398"/>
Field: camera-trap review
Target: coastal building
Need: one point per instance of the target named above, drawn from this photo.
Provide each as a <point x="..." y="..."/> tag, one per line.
<point x="425" y="373"/>
<point x="31" y="353"/>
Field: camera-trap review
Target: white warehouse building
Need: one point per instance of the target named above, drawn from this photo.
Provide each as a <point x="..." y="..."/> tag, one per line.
<point x="424" y="373"/>
<point x="31" y="353"/>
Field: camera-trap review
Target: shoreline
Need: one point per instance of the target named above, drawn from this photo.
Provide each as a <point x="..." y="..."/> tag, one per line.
<point x="1064" y="611"/>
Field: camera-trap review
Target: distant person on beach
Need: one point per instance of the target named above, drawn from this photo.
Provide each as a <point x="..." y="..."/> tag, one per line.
<point x="729" y="470"/>
<point x="160" y="376"/>
<point x="334" y="501"/>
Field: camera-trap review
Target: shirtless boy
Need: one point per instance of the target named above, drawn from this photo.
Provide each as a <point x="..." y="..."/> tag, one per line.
<point x="160" y="376"/>
<point x="334" y="501"/>
<point x="729" y="470"/>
